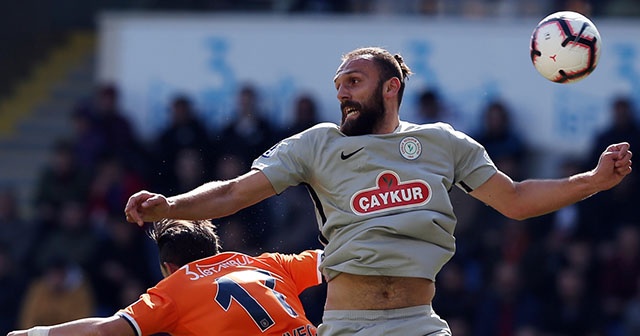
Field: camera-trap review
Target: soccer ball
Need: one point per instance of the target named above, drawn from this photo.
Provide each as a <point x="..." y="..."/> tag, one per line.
<point x="565" y="47"/>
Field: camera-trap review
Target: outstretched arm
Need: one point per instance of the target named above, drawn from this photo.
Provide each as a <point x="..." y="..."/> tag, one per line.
<point x="530" y="198"/>
<point x="210" y="200"/>
<point x="94" y="326"/>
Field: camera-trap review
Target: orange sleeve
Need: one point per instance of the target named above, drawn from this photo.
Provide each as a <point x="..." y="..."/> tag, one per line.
<point x="154" y="312"/>
<point x="303" y="268"/>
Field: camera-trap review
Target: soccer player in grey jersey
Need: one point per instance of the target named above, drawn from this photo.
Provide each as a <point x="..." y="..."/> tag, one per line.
<point x="380" y="186"/>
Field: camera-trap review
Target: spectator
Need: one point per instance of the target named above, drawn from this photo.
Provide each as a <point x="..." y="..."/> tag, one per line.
<point x="626" y="196"/>
<point x="72" y="239"/>
<point x="431" y="108"/>
<point x="12" y="281"/>
<point x="631" y="317"/>
<point x="60" y="181"/>
<point x="579" y="255"/>
<point x="503" y="143"/>
<point x="293" y="222"/>
<point x="623" y="125"/>
<point x="189" y="170"/>
<point x="88" y="145"/>
<point x="544" y="260"/>
<point x="583" y="7"/>
<point x="185" y="131"/>
<point x="620" y="272"/>
<point x="121" y="257"/>
<point x="62" y="293"/>
<point x="459" y="326"/>
<point x="622" y="8"/>
<point x="506" y="308"/>
<point x="112" y="123"/>
<point x="110" y="185"/>
<point x="305" y="115"/>
<point x="17" y="234"/>
<point x="454" y="301"/>
<point x="249" y="133"/>
<point x="571" y="311"/>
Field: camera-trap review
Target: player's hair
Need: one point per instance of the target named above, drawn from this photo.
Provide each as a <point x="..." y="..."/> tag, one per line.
<point x="183" y="241"/>
<point x="388" y="65"/>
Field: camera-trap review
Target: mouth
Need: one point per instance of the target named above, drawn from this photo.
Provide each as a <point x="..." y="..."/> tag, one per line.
<point x="350" y="111"/>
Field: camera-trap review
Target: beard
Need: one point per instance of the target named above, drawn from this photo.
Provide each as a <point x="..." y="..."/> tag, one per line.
<point x="370" y="114"/>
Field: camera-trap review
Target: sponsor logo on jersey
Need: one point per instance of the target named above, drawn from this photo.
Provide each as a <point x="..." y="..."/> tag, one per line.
<point x="270" y="151"/>
<point x="410" y="148"/>
<point x="198" y="271"/>
<point x="346" y="156"/>
<point x="389" y="194"/>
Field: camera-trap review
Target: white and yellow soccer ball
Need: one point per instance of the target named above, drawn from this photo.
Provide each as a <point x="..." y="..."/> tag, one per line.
<point x="565" y="47"/>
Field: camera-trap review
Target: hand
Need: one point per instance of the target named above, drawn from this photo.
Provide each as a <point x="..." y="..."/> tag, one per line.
<point x="614" y="164"/>
<point x="144" y="206"/>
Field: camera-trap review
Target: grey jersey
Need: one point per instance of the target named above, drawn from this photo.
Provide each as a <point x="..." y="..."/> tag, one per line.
<point x="382" y="201"/>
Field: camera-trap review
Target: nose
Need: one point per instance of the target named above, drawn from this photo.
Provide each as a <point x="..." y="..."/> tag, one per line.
<point x="343" y="93"/>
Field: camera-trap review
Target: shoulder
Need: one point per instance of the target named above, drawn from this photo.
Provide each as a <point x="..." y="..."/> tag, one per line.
<point x="323" y="128"/>
<point x="317" y="132"/>
<point x="430" y="129"/>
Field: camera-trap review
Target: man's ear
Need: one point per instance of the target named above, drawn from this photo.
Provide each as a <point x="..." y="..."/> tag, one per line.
<point x="392" y="87"/>
<point x="168" y="268"/>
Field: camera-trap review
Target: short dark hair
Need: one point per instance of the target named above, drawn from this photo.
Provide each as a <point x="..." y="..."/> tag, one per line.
<point x="183" y="241"/>
<point x="388" y="65"/>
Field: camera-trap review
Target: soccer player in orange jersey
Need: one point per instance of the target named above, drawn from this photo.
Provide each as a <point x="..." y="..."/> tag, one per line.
<point x="206" y="292"/>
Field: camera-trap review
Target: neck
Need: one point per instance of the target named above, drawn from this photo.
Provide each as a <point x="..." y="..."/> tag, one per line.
<point x="388" y="124"/>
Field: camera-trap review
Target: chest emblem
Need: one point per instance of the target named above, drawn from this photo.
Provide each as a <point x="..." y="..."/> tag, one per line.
<point x="390" y="193"/>
<point x="410" y="148"/>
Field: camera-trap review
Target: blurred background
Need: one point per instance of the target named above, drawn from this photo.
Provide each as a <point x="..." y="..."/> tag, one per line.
<point x="99" y="99"/>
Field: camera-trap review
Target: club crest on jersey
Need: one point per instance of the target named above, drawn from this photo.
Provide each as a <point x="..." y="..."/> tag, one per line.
<point x="390" y="193"/>
<point x="410" y="148"/>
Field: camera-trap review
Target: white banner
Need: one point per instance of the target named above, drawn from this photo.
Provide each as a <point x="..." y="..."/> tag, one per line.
<point x="207" y="56"/>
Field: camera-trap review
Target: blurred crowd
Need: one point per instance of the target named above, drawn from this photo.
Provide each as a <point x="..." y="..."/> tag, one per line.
<point x="464" y="8"/>
<point x="572" y="272"/>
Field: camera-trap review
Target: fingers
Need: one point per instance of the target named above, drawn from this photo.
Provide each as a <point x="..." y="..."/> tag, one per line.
<point x="623" y="151"/>
<point x="623" y="167"/>
<point x="134" y="203"/>
<point x="622" y="160"/>
<point x="133" y="217"/>
<point x="620" y="148"/>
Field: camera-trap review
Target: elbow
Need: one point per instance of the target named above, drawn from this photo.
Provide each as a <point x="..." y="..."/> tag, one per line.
<point x="519" y="217"/>
<point x="516" y="213"/>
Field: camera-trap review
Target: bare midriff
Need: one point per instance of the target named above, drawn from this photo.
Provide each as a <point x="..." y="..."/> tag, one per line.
<point x="365" y="292"/>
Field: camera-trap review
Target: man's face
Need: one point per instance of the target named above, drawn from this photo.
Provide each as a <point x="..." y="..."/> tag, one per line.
<point x="360" y="95"/>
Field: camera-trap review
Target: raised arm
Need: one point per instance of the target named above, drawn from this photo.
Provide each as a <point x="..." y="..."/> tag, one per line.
<point x="530" y="198"/>
<point x="211" y="200"/>
<point x="94" y="326"/>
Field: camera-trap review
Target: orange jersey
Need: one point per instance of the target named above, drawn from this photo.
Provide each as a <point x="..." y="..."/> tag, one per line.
<point x="230" y="294"/>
